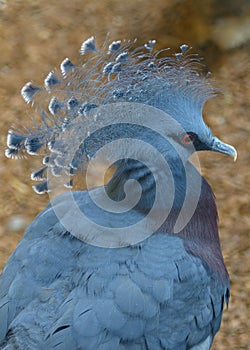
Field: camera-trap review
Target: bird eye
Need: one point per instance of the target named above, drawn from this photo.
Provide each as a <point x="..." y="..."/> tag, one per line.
<point x="188" y="138"/>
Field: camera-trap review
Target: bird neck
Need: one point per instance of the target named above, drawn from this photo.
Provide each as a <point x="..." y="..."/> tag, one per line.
<point x="132" y="170"/>
<point x="200" y="229"/>
<point x="145" y="179"/>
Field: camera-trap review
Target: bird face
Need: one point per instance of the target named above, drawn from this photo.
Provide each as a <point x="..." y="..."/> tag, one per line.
<point x="208" y="143"/>
<point x="194" y="135"/>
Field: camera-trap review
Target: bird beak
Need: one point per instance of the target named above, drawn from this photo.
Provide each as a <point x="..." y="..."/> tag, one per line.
<point x="221" y="147"/>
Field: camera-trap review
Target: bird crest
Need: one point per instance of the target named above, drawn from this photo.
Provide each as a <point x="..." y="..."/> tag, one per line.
<point x="118" y="72"/>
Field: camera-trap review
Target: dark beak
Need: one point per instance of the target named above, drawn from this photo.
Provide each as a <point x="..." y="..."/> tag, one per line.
<point x="221" y="147"/>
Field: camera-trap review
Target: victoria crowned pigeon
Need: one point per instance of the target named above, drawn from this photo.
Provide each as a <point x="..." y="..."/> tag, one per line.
<point x="135" y="264"/>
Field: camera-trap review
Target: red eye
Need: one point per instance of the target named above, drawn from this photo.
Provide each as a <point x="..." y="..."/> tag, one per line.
<point x="188" y="138"/>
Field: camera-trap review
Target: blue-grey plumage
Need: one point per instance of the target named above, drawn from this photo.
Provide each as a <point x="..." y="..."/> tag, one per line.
<point x="166" y="291"/>
<point x="59" y="292"/>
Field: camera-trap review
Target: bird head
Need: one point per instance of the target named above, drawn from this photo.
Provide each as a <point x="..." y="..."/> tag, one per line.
<point x="109" y="79"/>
